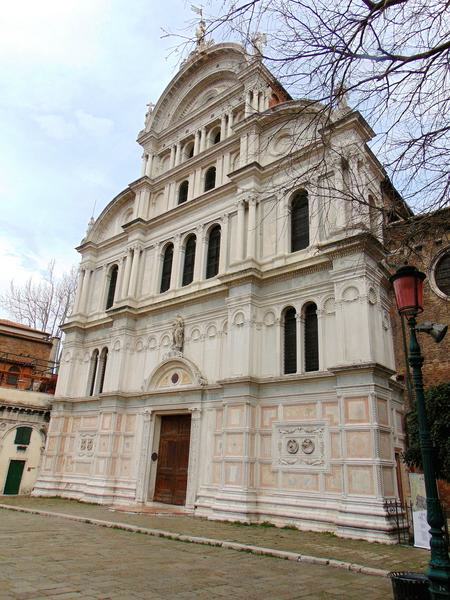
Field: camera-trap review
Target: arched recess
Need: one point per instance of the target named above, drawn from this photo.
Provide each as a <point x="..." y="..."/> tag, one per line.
<point x="174" y="373"/>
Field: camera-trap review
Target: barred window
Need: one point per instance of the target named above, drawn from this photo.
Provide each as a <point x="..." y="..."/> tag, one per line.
<point x="189" y="260"/>
<point x="311" y="338"/>
<point x="290" y="340"/>
<point x="166" y="268"/>
<point x="112" y="286"/>
<point x="212" y="259"/>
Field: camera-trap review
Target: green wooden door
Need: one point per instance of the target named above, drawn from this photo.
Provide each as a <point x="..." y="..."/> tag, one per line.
<point x="14" y="477"/>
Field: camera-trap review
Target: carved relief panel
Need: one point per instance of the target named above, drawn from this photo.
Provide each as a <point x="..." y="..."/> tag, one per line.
<point x="300" y="446"/>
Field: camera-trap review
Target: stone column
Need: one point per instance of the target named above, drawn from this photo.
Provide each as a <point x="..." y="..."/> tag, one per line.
<point x="202" y="139"/>
<point x="226" y="167"/>
<point x="230" y="124"/>
<point x="240" y="228"/>
<point x="172" y="156"/>
<point x="248" y="103"/>
<point x="177" y="153"/>
<point x="223" y="127"/>
<point x="198" y="182"/>
<point x="321" y="337"/>
<point x="120" y="279"/>
<point x="197" y="142"/>
<point x="243" y="150"/>
<point x="191" y="186"/>
<point x="255" y="100"/>
<point x="134" y="271"/>
<point x="126" y="276"/>
<point x="143" y="473"/>
<point x="85" y="290"/>
<point x="199" y="254"/>
<point x="154" y="288"/>
<point x="251" y="232"/>
<point x="144" y="163"/>
<point x="148" y="166"/>
<point x="223" y="244"/>
<point x="219" y="171"/>
<point x="76" y="304"/>
<point x="194" y="455"/>
<point x="175" y="274"/>
<point x="299" y="321"/>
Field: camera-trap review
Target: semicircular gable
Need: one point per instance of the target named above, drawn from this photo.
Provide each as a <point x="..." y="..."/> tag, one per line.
<point x="173" y="373"/>
<point x="113" y="216"/>
<point x="217" y="64"/>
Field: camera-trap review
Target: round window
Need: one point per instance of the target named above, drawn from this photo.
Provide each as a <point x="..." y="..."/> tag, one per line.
<point x="442" y="274"/>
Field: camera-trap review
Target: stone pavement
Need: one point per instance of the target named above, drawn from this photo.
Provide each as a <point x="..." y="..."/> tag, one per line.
<point x="43" y="557"/>
<point x="321" y="545"/>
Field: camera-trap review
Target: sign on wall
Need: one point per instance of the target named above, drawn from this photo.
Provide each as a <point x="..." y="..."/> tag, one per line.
<point x="419" y="510"/>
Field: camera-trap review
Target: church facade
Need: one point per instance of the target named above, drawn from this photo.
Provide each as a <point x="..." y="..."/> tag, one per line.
<point x="230" y="349"/>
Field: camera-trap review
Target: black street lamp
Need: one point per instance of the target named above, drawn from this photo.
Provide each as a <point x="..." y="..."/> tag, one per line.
<point x="408" y="289"/>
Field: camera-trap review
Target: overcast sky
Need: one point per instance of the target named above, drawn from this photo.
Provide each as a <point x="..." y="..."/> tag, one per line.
<point x="75" y="77"/>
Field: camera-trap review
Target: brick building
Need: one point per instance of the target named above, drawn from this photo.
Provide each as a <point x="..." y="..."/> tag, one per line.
<point x="27" y="384"/>
<point x="26" y="358"/>
<point x="428" y="249"/>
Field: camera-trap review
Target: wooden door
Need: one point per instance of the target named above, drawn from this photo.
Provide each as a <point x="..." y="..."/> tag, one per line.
<point x="173" y="459"/>
<point x="14" y="477"/>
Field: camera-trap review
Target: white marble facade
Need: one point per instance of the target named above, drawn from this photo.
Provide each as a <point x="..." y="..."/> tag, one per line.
<point x="314" y="449"/>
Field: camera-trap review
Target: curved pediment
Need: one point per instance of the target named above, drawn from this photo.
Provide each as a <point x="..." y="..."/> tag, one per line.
<point x="174" y="373"/>
<point x="109" y="223"/>
<point x="204" y="76"/>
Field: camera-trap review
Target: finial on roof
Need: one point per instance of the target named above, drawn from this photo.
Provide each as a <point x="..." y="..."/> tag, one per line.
<point x="200" y="32"/>
<point x="90" y="225"/>
<point x="258" y="41"/>
<point x="340" y="94"/>
<point x="148" y="114"/>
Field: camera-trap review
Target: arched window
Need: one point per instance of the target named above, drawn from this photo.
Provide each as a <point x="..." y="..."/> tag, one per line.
<point x="290" y="340"/>
<point x="214" y="136"/>
<point x="212" y="259"/>
<point x="210" y="179"/>
<point x="166" y="268"/>
<point x="112" y="286"/>
<point x="102" y="370"/>
<point x="311" y="338"/>
<point x="183" y="191"/>
<point x="189" y="150"/>
<point x="23" y="436"/>
<point x="13" y="375"/>
<point x="92" y="372"/>
<point x="299" y="221"/>
<point x="189" y="260"/>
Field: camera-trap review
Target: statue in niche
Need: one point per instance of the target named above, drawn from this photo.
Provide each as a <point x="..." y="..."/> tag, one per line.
<point x="178" y="334"/>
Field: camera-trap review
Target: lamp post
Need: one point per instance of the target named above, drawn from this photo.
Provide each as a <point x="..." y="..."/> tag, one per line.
<point x="408" y="289"/>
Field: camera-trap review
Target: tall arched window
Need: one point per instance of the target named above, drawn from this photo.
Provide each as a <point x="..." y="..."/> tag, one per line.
<point x="311" y="338"/>
<point x="212" y="259"/>
<point x="189" y="260"/>
<point x="214" y="136"/>
<point x="299" y="221"/>
<point x="210" y="179"/>
<point x="112" y="277"/>
<point x="92" y="372"/>
<point x="166" y="268"/>
<point x="183" y="191"/>
<point x="188" y="150"/>
<point x="13" y="375"/>
<point x="290" y="340"/>
<point x="102" y="370"/>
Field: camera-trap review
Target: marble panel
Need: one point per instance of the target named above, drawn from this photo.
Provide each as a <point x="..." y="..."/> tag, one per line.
<point x="103" y="443"/>
<point x="388" y="481"/>
<point x="386" y="446"/>
<point x="76" y="422"/>
<point x="216" y="475"/>
<point x="234" y="444"/>
<point x="356" y="410"/>
<point x="300" y="481"/>
<point x="89" y="422"/>
<point x="265" y="446"/>
<point x="382" y="412"/>
<point x="359" y="444"/>
<point x="298" y="412"/>
<point x="330" y="411"/>
<point x="218" y="445"/>
<point x="267" y="477"/>
<point x="219" y="420"/>
<point x="269" y="414"/>
<point x="233" y="473"/>
<point x="333" y="480"/>
<point x="125" y="467"/>
<point x="130" y="423"/>
<point x="360" y="480"/>
<point x="51" y="444"/>
<point x="235" y="416"/>
<point x="106" y="421"/>
<point x="335" y="445"/>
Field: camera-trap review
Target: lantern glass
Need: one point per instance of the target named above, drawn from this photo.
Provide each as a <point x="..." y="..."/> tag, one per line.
<point x="408" y="289"/>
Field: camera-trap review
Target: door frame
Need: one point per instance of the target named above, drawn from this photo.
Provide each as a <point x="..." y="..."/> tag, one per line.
<point x="151" y="431"/>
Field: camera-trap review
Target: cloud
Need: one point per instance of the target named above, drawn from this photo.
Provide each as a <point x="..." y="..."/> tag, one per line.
<point x="97" y="126"/>
<point x="56" y="126"/>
